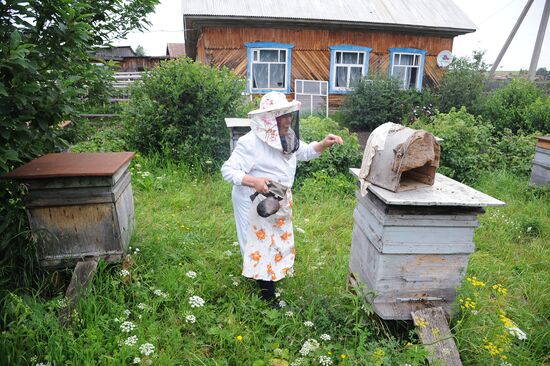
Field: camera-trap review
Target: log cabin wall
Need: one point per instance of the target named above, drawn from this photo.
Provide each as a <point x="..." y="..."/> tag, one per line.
<point x="225" y="46"/>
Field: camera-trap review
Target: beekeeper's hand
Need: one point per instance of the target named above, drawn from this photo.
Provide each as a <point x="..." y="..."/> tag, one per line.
<point x="327" y="142"/>
<point x="258" y="183"/>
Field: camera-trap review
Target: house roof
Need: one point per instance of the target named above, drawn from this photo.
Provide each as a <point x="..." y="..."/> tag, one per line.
<point x="114" y="53"/>
<point x="175" y="49"/>
<point x="430" y="15"/>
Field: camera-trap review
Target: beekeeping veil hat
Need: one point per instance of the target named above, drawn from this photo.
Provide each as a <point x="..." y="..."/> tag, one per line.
<point x="263" y="122"/>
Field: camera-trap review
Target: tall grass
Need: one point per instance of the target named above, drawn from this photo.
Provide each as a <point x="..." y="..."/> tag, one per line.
<point x="184" y="222"/>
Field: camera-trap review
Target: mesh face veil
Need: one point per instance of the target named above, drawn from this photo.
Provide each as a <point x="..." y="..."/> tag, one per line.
<point x="288" y="126"/>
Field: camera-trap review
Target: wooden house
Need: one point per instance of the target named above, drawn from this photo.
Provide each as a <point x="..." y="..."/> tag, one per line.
<point x="273" y="43"/>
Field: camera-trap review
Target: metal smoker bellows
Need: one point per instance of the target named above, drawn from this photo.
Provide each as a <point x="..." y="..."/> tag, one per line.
<point x="413" y="230"/>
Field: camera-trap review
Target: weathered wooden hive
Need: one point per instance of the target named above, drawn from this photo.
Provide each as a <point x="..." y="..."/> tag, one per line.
<point x="411" y="247"/>
<point x="79" y="206"/>
<point x="408" y="160"/>
<point x="540" y="171"/>
<point x="237" y="127"/>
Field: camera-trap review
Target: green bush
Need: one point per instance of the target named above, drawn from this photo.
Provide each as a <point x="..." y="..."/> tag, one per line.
<point x="537" y="115"/>
<point x="179" y="108"/>
<point x="465" y="146"/>
<point x="462" y="85"/>
<point x="512" y="152"/>
<point x="336" y="160"/>
<point x="508" y="107"/>
<point x="105" y="140"/>
<point x="374" y="102"/>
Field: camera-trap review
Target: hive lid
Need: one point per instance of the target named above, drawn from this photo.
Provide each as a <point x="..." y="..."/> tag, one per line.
<point x="543" y="142"/>
<point x="444" y="192"/>
<point x="72" y="165"/>
<point x="237" y="122"/>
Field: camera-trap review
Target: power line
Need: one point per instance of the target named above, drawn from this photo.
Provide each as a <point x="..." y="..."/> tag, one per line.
<point x="498" y="11"/>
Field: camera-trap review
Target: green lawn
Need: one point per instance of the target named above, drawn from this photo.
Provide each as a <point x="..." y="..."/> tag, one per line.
<point x="184" y="224"/>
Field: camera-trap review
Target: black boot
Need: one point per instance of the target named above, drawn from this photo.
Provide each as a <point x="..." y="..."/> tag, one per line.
<point x="267" y="292"/>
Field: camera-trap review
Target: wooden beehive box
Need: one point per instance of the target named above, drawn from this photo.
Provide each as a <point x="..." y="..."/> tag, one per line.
<point x="540" y="171"/>
<point x="412" y="247"/>
<point x="237" y="127"/>
<point x="79" y="206"/>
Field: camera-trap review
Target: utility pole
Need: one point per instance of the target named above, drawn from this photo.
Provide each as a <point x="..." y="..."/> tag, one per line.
<point x="538" y="42"/>
<point x="511" y="37"/>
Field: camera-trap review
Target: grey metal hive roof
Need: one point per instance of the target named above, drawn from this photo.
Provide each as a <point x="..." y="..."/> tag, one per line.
<point x="430" y="14"/>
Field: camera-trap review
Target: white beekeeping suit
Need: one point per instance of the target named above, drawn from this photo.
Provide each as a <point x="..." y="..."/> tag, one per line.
<point x="267" y="244"/>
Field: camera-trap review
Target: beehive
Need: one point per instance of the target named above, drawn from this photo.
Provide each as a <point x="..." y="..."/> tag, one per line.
<point x="79" y="206"/>
<point x="237" y="127"/>
<point x="411" y="248"/>
<point x="540" y="171"/>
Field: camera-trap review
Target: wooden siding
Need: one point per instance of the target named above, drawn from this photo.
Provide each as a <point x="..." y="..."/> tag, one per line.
<point x="311" y="54"/>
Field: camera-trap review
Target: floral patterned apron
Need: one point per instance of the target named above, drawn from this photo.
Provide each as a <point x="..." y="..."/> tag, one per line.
<point x="269" y="250"/>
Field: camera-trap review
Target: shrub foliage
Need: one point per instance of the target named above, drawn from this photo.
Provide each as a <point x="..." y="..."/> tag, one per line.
<point x="338" y="159"/>
<point x="179" y="110"/>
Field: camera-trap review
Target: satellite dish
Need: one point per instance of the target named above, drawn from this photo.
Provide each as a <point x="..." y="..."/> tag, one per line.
<point x="444" y="58"/>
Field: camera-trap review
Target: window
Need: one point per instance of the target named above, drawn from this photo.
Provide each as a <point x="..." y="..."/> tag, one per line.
<point x="347" y="65"/>
<point x="407" y="66"/>
<point x="269" y="67"/>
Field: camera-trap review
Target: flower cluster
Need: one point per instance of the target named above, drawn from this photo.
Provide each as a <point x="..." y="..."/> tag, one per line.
<point x="190" y="319"/>
<point x="499" y="289"/>
<point x="147" y="349"/>
<point x="309" y="346"/>
<point x="127" y="326"/>
<point x="196" y="302"/>
<point x="467" y="304"/>
<point x="124" y="273"/>
<point x="325" y="360"/>
<point x="160" y="293"/>
<point x="131" y="341"/>
<point x="325" y="337"/>
<point x="308" y="324"/>
<point x="191" y="274"/>
<point x="475" y="282"/>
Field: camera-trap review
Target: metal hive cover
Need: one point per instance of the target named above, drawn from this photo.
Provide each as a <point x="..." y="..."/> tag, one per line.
<point x="72" y="165"/>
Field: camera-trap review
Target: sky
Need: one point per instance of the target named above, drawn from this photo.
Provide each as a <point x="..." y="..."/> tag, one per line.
<point x="494" y="20"/>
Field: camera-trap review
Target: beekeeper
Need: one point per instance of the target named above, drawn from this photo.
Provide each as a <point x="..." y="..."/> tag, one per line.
<point x="269" y="152"/>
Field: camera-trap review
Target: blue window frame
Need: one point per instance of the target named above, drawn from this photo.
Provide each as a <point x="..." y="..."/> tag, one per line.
<point x="407" y="66"/>
<point x="348" y="64"/>
<point x="269" y="67"/>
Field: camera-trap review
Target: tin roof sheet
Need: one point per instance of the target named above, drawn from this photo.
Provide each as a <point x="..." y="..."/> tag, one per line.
<point x="72" y="165"/>
<point x="422" y="13"/>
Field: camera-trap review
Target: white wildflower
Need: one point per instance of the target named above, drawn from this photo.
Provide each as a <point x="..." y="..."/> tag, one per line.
<point x="127" y="326"/>
<point x="160" y="293"/>
<point x="196" y="302"/>
<point x="282" y="303"/>
<point x="308" y="324"/>
<point x="190" y="319"/>
<point x="142" y="306"/>
<point x="474" y="312"/>
<point x="235" y="283"/>
<point x="235" y="244"/>
<point x="289" y="313"/>
<point x="124" y="273"/>
<point x="325" y="337"/>
<point x="325" y="360"/>
<point x="33" y="359"/>
<point x="145" y="174"/>
<point x="136" y="361"/>
<point x="228" y="253"/>
<point x="516" y="332"/>
<point x="127" y="313"/>
<point x="43" y="364"/>
<point x="297" y="362"/>
<point x="131" y="341"/>
<point x="504" y="363"/>
<point x="147" y="349"/>
<point x="191" y="274"/>
<point x="300" y="230"/>
<point x="309" y="346"/>
<point x="62" y="303"/>
<point x="136" y="250"/>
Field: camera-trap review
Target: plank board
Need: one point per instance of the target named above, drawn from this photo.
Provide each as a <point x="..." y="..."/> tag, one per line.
<point x="444" y="192"/>
<point x="81" y="279"/>
<point x="433" y="330"/>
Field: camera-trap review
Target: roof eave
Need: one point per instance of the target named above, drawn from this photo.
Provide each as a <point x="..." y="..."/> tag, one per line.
<point x="205" y="20"/>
